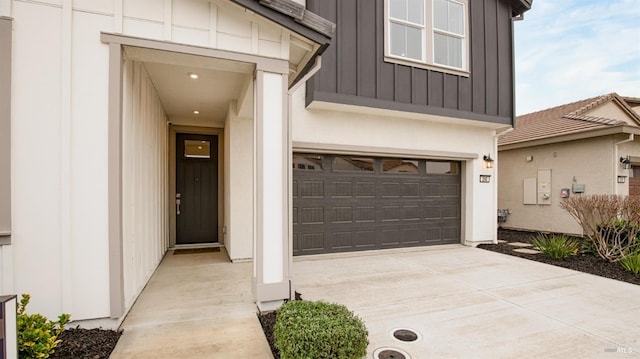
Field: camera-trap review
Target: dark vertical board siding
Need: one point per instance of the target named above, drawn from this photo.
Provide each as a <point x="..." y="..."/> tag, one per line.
<point x="366" y="49"/>
<point x="419" y="86"/>
<point x="450" y="90"/>
<point x="403" y="84"/>
<point x="465" y="95"/>
<point x="436" y="89"/>
<point x="347" y="47"/>
<point x="354" y="64"/>
<point x="505" y="66"/>
<point x="478" y="52"/>
<point x="326" y="81"/>
<point x="491" y="57"/>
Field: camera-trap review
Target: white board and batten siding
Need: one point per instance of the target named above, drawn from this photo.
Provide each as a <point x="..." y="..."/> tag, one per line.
<point x="59" y="251"/>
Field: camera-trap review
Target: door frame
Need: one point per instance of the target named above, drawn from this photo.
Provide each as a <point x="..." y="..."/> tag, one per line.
<point x="173" y="130"/>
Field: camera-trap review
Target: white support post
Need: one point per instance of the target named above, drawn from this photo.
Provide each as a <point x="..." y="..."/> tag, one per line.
<point x="272" y="169"/>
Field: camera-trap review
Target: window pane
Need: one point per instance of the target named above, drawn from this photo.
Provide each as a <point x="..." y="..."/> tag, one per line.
<point x="447" y="50"/>
<point x="456" y="18"/>
<point x="398" y="39"/>
<point x="414" y="43"/>
<point x="400" y="166"/>
<point x="353" y="164"/>
<point x="443" y="168"/>
<point x="440" y="14"/>
<point x="307" y="162"/>
<point x="197" y="149"/>
<point x="398" y="9"/>
<point x="440" y="49"/>
<point x="455" y="52"/>
<point x="416" y="11"/>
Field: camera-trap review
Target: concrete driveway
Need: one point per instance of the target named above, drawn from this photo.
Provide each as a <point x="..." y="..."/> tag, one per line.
<point x="470" y="303"/>
<point x="463" y="302"/>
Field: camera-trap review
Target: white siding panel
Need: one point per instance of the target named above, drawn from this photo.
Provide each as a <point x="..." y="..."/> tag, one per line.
<point x="231" y="23"/>
<point x="190" y="36"/>
<point x="144" y="9"/>
<point x="89" y="201"/>
<point x="270" y="33"/>
<point x="97" y="6"/>
<point x="269" y="48"/>
<point x="144" y="180"/>
<point x="35" y="156"/>
<point x="191" y="13"/>
<point x="142" y="28"/>
<point x="234" y="43"/>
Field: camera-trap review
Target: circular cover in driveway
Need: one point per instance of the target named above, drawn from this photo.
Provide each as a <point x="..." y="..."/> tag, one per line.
<point x="390" y="353"/>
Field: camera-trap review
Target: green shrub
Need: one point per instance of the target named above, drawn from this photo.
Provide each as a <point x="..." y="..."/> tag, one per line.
<point x="307" y="329"/>
<point x="631" y="262"/>
<point x="558" y="246"/>
<point x="37" y="336"/>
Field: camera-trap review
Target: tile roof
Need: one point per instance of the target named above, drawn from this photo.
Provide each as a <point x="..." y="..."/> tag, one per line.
<point x="566" y="119"/>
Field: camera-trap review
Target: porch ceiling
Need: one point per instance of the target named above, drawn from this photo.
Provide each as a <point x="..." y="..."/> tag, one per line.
<point x="219" y="82"/>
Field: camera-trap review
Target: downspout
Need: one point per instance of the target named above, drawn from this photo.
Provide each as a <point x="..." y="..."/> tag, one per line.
<point x="615" y="161"/>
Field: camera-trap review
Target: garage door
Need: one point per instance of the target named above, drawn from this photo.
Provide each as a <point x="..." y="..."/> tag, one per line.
<point x="353" y="203"/>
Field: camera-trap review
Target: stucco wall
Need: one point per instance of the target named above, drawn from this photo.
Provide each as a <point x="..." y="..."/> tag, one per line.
<point x="144" y="172"/>
<point x="591" y="162"/>
<point x="418" y="133"/>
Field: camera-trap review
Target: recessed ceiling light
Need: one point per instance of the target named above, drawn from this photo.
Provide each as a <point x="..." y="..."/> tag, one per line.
<point x="193" y="75"/>
<point x="196" y="112"/>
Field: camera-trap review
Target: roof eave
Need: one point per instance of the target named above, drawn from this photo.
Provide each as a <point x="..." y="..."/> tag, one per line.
<point x="294" y="17"/>
<point x="614" y="130"/>
<point x="521" y="6"/>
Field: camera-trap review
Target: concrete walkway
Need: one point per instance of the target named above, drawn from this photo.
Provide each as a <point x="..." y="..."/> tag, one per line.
<point x="463" y="302"/>
<point x="195" y="306"/>
<point x="471" y="303"/>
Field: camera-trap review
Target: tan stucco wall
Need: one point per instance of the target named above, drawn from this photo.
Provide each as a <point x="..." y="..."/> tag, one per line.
<point x="611" y="110"/>
<point x="591" y="162"/>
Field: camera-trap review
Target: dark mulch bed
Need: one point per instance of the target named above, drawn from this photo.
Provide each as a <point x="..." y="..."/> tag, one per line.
<point x="268" y="322"/>
<point x="86" y="343"/>
<point x="587" y="263"/>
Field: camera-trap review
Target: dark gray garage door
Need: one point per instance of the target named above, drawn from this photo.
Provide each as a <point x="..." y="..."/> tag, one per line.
<point x="353" y="203"/>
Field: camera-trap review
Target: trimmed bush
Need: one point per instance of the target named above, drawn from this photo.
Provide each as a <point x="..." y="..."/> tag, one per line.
<point x="37" y="336"/>
<point x="308" y="329"/>
<point x="558" y="246"/>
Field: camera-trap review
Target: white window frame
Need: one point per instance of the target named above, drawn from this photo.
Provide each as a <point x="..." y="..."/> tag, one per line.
<point x="429" y="32"/>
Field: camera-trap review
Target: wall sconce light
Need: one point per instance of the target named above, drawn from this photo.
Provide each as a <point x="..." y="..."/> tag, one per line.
<point x="8" y="325"/>
<point x="485" y="178"/>
<point x="488" y="161"/>
<point x="622" y="179"/>
<point x="626" y="162"/>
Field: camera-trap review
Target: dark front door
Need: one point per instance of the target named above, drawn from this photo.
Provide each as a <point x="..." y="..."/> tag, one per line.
<point x="196" y="188"/>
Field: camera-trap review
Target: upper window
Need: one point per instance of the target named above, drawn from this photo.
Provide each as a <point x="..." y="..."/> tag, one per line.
<point x="428" y="32"/>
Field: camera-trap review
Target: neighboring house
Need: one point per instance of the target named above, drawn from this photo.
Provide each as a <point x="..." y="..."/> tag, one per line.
<point x="128" y="127"/>
<point x="586" y="147"/>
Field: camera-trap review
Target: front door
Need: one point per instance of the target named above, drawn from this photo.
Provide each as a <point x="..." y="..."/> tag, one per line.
<point x="196" y="188"/>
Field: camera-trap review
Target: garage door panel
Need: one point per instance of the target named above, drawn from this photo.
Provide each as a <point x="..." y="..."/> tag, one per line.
<point x="339" y="211"/>
<point x="365" y="189"/>
<point x="365" y="214"/>
<point x="308" y="242"/>
<point x="342" y="215"/>
<point x="311" y="215"/>
<point x="311" y="189"/>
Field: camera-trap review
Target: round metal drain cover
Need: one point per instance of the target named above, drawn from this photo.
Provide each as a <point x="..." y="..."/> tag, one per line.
<point x="390" y="353"/>
<point x="405" y="335"/>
